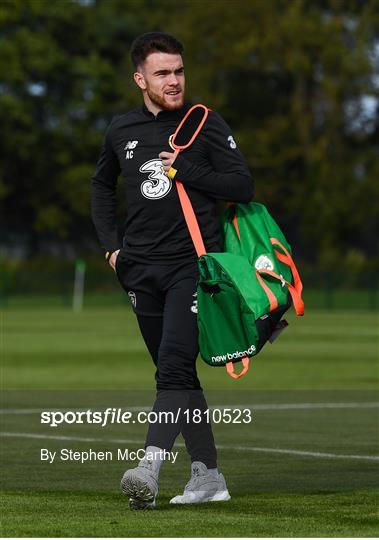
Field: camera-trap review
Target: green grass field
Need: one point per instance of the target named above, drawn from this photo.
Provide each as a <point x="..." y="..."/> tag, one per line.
<point x="306" y="465"/>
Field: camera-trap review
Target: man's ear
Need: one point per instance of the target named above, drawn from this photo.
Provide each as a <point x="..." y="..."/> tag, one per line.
<point x="139" y="80"/>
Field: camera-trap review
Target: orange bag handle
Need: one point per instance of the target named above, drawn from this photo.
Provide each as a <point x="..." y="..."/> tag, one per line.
<point x="245" y="369"/>
<point x="287" y="259"/>
<point x="298" y="303"/>
<point x="197" y="131"/>
<point x="270" y="295"/>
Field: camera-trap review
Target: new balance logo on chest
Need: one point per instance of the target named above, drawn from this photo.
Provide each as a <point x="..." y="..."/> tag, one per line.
<point x="129" y="147"/>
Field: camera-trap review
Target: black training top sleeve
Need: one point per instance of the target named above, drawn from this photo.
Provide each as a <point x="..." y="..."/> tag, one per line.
<point x="229" y="178"/>
<point x="103" y="200"/>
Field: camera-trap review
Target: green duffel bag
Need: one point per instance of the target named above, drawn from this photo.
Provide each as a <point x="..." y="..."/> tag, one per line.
<point x="244" y="292"/>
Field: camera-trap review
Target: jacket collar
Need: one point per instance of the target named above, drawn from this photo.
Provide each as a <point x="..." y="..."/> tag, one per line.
<point x="167" y="115"/>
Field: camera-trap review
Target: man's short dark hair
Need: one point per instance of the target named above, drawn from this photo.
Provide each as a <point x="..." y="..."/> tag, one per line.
<point x="151" y="42"/>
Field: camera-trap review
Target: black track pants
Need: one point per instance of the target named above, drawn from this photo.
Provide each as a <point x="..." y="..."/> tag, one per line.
<point x="198" y="436"/>
<point x="164" y="300"/>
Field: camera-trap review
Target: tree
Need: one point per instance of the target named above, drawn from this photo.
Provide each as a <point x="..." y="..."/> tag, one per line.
<point x="294" y="79"/>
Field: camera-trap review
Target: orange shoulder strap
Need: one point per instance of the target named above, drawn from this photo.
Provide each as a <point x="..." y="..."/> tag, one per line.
<point x="192" y="222"/>
<point x="185" y="202"/>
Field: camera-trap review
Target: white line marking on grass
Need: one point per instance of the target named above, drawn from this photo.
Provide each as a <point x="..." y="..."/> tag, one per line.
<point x="256" y="406"/>
<point x="20" y="411"/>
<point x="304" y="453"/>
<point x="298" y="452"/>
<point x="289" y="406"/>
<point x="65" y="438"/>
<point x="57" y="409"/>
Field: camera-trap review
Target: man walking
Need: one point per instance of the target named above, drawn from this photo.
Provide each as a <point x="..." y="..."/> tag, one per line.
<point x="157" y="263"/>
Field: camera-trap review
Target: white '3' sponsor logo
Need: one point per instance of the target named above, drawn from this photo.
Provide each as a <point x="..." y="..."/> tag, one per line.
<point x="157" y="185"/>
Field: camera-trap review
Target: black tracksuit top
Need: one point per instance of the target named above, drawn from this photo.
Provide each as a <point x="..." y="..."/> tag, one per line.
<point x="155" y="230"/>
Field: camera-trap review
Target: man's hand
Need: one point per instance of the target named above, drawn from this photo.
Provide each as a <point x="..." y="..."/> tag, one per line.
<point x="168" y="159"/>
<point x="112" y="259"/>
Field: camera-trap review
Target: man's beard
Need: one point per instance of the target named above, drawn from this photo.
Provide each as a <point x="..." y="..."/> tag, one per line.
<point x="160" y="101"/>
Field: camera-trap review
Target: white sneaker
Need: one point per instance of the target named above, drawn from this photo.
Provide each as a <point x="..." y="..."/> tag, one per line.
<point x="203" y="486"/>
<point x="141" y="485"/>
